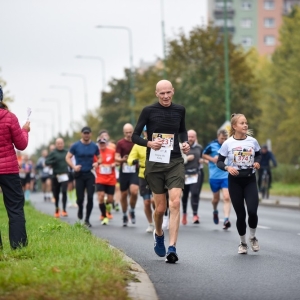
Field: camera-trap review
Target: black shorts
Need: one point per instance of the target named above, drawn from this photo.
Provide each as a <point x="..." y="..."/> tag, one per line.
<point x="71" y="176"/>
<point x="108" y="189"/>
<point x="26" y="179"/>
<point x="44" y="179"/>
<point x="127" y="179"/>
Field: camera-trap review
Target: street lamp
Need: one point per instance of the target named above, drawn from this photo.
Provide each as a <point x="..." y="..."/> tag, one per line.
<point x="103" y="66"/>
<point x="226" y="63"/>
<point x="59" y="109"/>
<point x="132" y="100"/>
<point x="84" y="87"/>
<point x="163" y="37"/>
<point x="70" y="98"/>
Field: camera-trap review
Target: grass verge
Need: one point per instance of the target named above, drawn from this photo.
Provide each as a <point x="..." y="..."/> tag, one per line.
<point x="60" y="262"/>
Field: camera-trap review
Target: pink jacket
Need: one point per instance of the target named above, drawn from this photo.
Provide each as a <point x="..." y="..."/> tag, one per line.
<point x="11" y="136"/>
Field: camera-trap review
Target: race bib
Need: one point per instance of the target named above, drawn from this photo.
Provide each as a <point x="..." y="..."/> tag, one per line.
<point x="161" y="156"/>
<point x="243" y="159"/>
<point x="190" y="179"/>
<point x="46" y="170"/>
<point x="22" y="175"/>
<point x="128" y="169"/>
<point x="168" y="140"/>
<point x="105" y="170"/>
<point x="62" y="177"/>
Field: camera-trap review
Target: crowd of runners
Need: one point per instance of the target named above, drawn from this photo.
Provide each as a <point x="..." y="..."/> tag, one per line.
<point x="161" y="161"/>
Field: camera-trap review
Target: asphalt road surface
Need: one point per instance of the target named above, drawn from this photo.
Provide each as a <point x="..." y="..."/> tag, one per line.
<point x="209" y="267"/>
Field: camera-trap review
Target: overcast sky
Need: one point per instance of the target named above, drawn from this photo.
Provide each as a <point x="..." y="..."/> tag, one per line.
<point x="40" y="39"/>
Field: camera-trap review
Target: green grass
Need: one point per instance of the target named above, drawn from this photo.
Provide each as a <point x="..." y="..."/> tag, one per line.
<point x="60" y="262"/>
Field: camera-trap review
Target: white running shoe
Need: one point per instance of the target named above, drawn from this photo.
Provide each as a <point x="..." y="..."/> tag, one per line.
<point x="165" y="224"/>
<point x="243" y="248"/>
<point x="254" y="244"/>
<point x="150" y="228"/>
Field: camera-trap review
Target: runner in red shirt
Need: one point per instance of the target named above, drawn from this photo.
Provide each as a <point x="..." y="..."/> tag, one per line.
<point x="105" y="179"/>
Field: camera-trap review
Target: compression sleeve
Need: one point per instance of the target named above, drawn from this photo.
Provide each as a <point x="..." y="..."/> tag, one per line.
<point x="221" y="162"/>
<point x="257" y="157"/>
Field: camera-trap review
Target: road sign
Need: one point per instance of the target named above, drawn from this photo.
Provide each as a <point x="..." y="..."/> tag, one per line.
<point x="226" y="125"/>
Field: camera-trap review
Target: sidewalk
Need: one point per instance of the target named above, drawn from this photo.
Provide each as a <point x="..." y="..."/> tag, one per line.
<point x="275" y="201"/>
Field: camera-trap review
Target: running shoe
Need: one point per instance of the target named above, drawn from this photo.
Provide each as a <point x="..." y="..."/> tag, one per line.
<point x="254" y="244"/>
<point x="109" y="215"/>
<point x="64" y="213"/>
<point x="87" y="224"/>
<point x="132" y="216"/>
<point x="150" y="228"/>
<point x="56" y="214"/>
<point x="108" y="207"/>
<point x="125" y="221"/>
<point x="105" y="221"/>
<point x="216" y="216"/>
<point x="226" y="225"/>
<point x="165" y="224"/>
<point x="159" y="244"/>
<point x="101" y="218"/>
<point x="184" y="219"/>
<point x="196" y="220"/>
<point x="243" y="248"/>
<point x="117" y="208"/>
<point x="172" y="256"/>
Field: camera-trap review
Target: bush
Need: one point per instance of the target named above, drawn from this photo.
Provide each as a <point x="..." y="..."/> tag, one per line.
<point x="286" y="174"/>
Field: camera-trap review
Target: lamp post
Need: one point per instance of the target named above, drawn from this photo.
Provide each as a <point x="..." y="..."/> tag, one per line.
<point x="131" y="79"/>
<point x="59" y="109"/>
<point x="84" y="87"/>
<point x="102" y="63"/>
<point x="226" y="63"/>
<point x="163" y="37"/>
<point x="70" y="98"/>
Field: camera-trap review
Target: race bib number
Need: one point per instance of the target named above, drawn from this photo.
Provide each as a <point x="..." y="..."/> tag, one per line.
<point x="161" y="156"/>
<point x="62" y="177"/>
<point x="128" y="169"/>
<point x="190" y="179"/>
<point x="168" y="140"/>
<point x="105" y="170"/>
<point x="243" y="159"/>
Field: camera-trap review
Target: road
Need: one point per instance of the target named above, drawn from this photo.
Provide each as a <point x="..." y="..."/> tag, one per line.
<point x="209" y="267"/>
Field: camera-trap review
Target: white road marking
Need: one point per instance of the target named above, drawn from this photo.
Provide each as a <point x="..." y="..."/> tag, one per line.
<point x="263" y="227"/>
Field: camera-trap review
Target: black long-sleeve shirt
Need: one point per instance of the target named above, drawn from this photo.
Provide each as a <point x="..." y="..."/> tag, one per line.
<point x="161" y="119"/>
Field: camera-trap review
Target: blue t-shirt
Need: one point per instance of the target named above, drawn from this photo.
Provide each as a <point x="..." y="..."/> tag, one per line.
<point x="212" y="149"/>
<point x="84" y="154"/>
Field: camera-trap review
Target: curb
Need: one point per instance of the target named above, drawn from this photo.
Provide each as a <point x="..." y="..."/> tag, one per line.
<point x="142" y="288"/>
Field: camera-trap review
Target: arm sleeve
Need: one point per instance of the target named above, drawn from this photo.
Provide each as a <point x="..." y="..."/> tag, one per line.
<point x="257" y="157"/>
<point x="136" y="136"/>
<point x="221" y="162"/>
<point x="273" y="159"/>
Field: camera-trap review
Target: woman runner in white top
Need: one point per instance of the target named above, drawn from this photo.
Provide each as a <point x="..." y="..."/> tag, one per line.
<point x="243" y="156"/>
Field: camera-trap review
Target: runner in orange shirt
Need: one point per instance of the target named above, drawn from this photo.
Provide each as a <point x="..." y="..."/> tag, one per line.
<point x="105" y="179"/>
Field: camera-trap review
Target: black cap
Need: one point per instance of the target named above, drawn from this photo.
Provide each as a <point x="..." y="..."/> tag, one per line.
<point x="102" y="141"/>
<point x="86" y="129"/>
<point x="1" y="93"/>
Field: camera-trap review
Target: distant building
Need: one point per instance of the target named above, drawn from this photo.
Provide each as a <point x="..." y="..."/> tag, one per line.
<point x="252" y="23"/>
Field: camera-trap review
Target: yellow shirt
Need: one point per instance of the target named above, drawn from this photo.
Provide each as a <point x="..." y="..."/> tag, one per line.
<point x="138" y="152"/>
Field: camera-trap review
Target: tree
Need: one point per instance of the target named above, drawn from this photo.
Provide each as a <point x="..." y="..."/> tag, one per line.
<point x="7" y="98"/>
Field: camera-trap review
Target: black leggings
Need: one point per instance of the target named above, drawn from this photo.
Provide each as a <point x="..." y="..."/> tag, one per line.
<point x="85" y="181"/>
<point x="244" y="189"/>
<point x="195" y="190"/>
<point x="58" y="187"/>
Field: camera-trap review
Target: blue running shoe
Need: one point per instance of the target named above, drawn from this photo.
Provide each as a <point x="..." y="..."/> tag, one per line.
<point x="216" y="216"/>
<point x="159" y="244"/>
<point x="172" y="256"/>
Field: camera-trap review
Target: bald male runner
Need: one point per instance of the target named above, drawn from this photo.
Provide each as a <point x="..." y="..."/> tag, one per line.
<point x="164" y="172"/>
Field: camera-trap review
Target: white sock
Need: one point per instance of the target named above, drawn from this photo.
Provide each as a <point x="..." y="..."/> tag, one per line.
<point x="252" y="232"/>
<point x="243" y="239"/>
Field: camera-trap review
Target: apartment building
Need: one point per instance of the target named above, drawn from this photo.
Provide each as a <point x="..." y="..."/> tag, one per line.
<point x="252" y="23"/>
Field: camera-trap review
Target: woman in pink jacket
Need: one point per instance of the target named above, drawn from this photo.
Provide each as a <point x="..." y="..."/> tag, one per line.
<point x="11" y="137"/>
